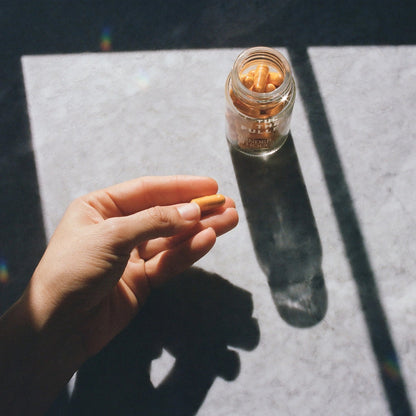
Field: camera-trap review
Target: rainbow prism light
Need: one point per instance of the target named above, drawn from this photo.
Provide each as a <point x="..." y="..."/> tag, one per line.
<point x="4" y="272"/>
<point x="391" y="368"/>
<point x="105" y="43"/>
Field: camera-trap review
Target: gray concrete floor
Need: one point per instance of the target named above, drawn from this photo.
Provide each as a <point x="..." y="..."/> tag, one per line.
<point x="48" y="27"/>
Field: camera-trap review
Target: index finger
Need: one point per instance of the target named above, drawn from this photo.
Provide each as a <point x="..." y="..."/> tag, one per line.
<point x="142" y="193"/>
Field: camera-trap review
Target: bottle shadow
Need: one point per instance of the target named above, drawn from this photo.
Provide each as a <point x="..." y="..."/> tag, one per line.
<point x="199" y="318"/>
<point x="284" y="233"/>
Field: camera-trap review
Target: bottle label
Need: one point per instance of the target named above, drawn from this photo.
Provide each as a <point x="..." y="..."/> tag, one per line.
<point x="256" y="135"/>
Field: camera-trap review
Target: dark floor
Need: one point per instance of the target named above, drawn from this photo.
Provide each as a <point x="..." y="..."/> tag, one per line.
<point x="66" y="26"/>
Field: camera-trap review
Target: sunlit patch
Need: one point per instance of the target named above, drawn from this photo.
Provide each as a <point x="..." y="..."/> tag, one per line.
<point x="105" y="43"/>
<point x="4" y="273"/>
<point x="391" y="368"/>
<point x="161" y="367"/>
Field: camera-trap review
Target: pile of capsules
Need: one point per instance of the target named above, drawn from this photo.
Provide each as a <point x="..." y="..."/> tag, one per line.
<point x="262" y="79"/>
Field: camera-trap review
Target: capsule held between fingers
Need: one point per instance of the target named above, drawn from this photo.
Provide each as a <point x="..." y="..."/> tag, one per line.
<point x="210" y="202"/>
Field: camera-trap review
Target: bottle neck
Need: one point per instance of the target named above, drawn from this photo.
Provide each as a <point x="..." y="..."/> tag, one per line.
<point x="249" y="60"/>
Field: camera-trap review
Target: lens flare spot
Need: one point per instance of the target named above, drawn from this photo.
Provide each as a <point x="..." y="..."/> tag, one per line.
<point x="106" y="42"/>
<point x="142" y="79"/>
<point x="4" y="272"/>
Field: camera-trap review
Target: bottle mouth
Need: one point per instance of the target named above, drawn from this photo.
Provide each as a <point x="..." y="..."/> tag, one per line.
<point x="248" y="60"/>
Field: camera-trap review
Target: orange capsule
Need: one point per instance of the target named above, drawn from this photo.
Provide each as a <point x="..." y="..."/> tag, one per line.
<point x="248" y="81"/>
<point x="260" y="78"/>
<point x="246" y="109"/>
<point x="275" y="110"/>
<point x="275" y="78"/>
<point x="210" y="202"/>
<point x="269" y="88"/>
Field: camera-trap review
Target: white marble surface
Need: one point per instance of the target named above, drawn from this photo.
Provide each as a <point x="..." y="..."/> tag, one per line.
<point x="97" y="119"/>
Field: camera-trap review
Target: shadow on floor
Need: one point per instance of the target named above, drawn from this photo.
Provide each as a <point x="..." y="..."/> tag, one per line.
<point x="199" y="318"/>
<point x="348" y="224"/>
<point x="284" y="233"/>
<point x="22" y="236"/>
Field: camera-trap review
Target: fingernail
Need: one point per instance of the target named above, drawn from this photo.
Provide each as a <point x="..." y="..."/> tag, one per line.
<point x="189" y="211"/>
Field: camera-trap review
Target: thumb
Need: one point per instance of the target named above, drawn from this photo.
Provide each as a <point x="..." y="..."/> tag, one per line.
<point x="159" y="221"/>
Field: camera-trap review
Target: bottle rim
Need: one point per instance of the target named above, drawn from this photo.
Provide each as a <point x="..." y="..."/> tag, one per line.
<point x="262" y="54"/>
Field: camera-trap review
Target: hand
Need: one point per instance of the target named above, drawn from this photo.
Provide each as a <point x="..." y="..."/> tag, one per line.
<point x="110" y="249"/>
<point x="114" y="245"/>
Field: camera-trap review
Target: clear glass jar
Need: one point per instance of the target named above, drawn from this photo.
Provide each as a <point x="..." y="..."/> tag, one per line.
<point x="258" y="115"/>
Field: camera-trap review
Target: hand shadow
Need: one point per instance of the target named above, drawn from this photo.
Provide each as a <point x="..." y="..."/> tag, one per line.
<point x="196" y="317"/>
<point x="284" y="232"/>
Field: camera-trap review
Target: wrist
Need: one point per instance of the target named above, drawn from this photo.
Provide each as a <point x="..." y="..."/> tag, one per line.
<point x="37" y="361"/>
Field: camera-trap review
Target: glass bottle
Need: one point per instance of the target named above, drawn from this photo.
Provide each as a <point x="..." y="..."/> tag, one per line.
<point x="260" y="94"/>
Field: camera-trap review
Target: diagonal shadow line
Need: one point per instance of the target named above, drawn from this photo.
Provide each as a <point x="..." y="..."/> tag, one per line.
<point x="375" y="318"/>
